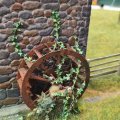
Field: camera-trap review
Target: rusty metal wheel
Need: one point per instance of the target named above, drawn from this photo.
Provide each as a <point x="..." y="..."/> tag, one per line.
<point x="37" y="77"/>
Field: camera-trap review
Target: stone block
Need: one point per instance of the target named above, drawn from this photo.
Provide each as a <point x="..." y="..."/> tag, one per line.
<point x="9" y="24"/>
<point x="71" y="41"/>
<point x="64" y="7"/>
<point x="13" y="92"/>
<point x="35" y="40"/>
<point x="10" y="47"/>
<point x="2" y="45"/>
<point x="24" y="42"/>
<point x="30" y="21"/>
<point x="53" y="6"/>
<point x="41" y="20"/>
<point x="63" y="14"/>
<point x="2" y="26"/>
<point x="68" y="32"/>
<point x="47" y="39"/>
<point x="13" y="74"/>
<point x="5" y="85"/>
<point x="47" y="13"/>
<point x="49" y="1"/>
<point x="4" y="62"/>
<point x="63" y="39"/>
<point x="30" y="46"/>
<point x="4" y="78"/>
<point x="7" y="31"/>
<point x="3" y="37"/>
<point x="5" y="70"/>
<point x="73" y="2"/>
<point x="14" y="56"/>
<point x="25" y="14"/>
<point x="50" y="22"/>
<point x="30" y="33"/>
<point x="7" y="3"/>
<point x="38" y="12"/>
<point x="64" y="1"/>
<point x="85" y="14"/>
<point x="30" y="5"/>
<point x="4" y="10"/>
<point x="3" y="94"/>
<point x="16" y="7"/>
<point x="20" y="1"/>
<point x="46" y="31"/>
<point x="4" y="54"/>
<point x="10" y="101"/>
<point x="15" y="63"/>
<point x="38" y="26"/>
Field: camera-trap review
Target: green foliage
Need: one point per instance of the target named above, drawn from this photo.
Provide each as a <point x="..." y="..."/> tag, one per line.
<point x="44" y="107"/>
<point x="56" y="19"/>
<point x="14" y="41"/>
<point x="77" y="48"/>
<point x="69" y="101"/>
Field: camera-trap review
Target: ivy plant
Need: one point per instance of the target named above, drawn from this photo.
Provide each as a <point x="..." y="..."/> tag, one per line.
<point x="14" y="41"/>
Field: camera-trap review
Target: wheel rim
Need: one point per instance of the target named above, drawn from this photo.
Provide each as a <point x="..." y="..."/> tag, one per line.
<point x="28" y="86"/>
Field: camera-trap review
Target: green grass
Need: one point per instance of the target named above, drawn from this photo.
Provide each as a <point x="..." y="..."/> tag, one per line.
<point x="108" y="109"/>
<point x="106" y="83"/>
<point x="104" y="34"/>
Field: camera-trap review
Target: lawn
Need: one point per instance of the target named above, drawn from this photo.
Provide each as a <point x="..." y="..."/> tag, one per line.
<point x="104" y="34"/>
<point x="108" y="109"/>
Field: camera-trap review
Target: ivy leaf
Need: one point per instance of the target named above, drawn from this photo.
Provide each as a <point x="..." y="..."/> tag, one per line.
<point x="59" y="66"/>
<point x="20" y="54"/>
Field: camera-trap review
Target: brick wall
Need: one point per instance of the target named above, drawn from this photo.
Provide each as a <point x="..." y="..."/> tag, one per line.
<point x="37" y="27"/>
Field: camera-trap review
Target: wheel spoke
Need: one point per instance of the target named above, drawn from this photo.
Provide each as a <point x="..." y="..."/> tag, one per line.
<point x="39" y="78"/>
<point x="51" y="73"/>
<point x="22" y="72"/>
<point x="74" y="60"/>
<point x="29" y="64"/>
<point x="58" y="59"/>
<point x="50" y="50"/>
<point x="38" y="53"/>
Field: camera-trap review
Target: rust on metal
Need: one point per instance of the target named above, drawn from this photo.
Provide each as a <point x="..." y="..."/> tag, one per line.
<point x="32" y="78"/>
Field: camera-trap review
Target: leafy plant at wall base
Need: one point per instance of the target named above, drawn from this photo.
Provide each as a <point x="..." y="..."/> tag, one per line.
<point x="44" y="107"/>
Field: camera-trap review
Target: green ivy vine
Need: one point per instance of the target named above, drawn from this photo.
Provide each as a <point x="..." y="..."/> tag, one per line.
<point x="69" y="101"/>
<point x="46" y="105"/>
<point x="14" y="41"/>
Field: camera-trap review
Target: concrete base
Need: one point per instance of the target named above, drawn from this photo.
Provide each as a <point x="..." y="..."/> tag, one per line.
<point x="13" y="110"/>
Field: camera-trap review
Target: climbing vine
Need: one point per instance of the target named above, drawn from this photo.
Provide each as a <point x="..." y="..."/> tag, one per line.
<point x="46" y="104"/>
<point x="70" y="95"/>
<point x="70" y="99"/>
<point x="14" y="41"/>
<point x="57" y="24"/>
